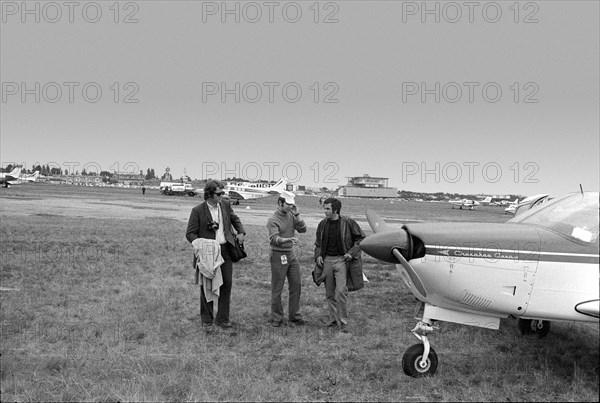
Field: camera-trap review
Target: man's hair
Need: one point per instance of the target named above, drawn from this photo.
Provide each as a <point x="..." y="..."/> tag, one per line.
<point x="280" y="201"/>
<point x="336" y="205"/>
<point x="211" y="187"/>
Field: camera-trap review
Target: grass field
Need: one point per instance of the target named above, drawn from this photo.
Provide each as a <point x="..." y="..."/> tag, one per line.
<point x="98" y="304"/>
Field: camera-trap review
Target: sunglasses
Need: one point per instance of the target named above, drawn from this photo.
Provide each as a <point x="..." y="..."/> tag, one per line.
<point x="219" y="193"/>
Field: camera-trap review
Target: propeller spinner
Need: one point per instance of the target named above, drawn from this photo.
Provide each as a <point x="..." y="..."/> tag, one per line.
<point x="391" y="246"/>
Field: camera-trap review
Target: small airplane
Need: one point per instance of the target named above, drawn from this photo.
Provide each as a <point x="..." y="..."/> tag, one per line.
<point x="7" y="177"/>
<point x="26" y="179"/>
<point x="468" y="203"/>
<point x="477" y="273"/>
<point x="509" y="203"/>
<point x="252" y="190"/>
<point x="526" y="203"/>
<point x="487" y="201"/>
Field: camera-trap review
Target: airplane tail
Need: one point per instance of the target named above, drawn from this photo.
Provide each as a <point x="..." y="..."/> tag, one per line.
<point x="487" y="199"/>
<point x="279" y="186"/>
<point x="16" y="171"/>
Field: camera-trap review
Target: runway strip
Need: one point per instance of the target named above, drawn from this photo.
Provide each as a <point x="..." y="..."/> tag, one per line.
<point x="112" y="209"/>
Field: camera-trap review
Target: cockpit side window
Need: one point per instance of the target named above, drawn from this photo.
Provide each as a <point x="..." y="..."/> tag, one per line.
<point x="575" y="216"/>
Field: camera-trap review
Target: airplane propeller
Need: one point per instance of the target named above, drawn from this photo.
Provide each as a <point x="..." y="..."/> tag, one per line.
<point x="391" y="246"/>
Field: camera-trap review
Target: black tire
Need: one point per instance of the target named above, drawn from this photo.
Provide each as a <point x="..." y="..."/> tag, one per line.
<point x="525" y="326"/>
<point x="412" y="357"/>
<point x="530" y="326"/>
<point x="191" y="194"/>
<point x="542" y="328"/>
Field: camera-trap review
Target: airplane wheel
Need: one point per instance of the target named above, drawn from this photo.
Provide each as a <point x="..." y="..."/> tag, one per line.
<point x="525" y="326"/>
<point x="542" y="327"/>
<point x="412" y="358"/>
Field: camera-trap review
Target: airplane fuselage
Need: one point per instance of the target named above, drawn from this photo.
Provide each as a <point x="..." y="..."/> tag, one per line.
<point x="250" y="190"/>
<point x="477" y="273"/>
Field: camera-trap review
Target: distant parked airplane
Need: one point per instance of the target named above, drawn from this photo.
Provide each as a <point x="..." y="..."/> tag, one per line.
<point x="486" y="202"/>
<point x="526" y="203"/>
<point x="252" y="190"/>
<point x="26" y="178"/>
<point x="6" y="177"/>
<point x="470" y="204"/>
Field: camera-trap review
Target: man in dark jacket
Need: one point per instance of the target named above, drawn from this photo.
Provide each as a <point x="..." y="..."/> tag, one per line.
<point x="213" y="219"/>
<point x="337" y="248"/>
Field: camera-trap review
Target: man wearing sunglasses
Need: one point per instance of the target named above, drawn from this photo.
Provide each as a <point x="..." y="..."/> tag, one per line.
<point x="213" y="219"/>
<point x="282" y="226"/>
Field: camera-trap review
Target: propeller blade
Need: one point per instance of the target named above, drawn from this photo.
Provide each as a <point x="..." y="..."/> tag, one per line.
<point x="376" y="222"/>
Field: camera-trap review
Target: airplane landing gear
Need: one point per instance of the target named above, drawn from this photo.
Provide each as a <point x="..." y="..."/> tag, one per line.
<point x="529" y="326"/>
<point x="420" y="360"/>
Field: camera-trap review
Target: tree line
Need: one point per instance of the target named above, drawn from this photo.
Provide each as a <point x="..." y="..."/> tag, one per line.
<point x="46" y="170"/>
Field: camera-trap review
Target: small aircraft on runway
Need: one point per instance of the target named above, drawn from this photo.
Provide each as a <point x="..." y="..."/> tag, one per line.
<point x="539" y="266"/>
<point x="487" y="201"/>
<point x="468" y="203"/>
<point x="26" y="178"/>
<point x="253" y="190"/>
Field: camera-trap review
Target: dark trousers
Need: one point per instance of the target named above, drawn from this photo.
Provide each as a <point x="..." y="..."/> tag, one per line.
<point x="206" y="308"/>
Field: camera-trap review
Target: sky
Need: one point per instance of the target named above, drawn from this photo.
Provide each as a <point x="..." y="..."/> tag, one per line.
<point x="462" y="97"/>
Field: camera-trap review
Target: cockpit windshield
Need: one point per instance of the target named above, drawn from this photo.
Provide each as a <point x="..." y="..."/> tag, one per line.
<point x="574" y="215"/>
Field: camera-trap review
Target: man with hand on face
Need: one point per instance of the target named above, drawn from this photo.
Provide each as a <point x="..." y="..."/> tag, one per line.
<point x="337" y="247"/>
<point x="282" y="226"/>
<point x="213" y="220"/>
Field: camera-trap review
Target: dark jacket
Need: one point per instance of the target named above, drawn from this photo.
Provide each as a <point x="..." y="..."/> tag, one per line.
<point x="200" y="217"/>
<point x="350" y="238"/>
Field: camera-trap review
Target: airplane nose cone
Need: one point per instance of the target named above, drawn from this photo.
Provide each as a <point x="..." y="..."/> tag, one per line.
<point x="380" y="245"/>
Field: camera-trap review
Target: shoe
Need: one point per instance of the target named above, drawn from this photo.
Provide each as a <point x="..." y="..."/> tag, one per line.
<point x="225" y="325"/>
<point x="332" y="324"/>
<point x="275" y="323"/>
<point x="298" y="322"/>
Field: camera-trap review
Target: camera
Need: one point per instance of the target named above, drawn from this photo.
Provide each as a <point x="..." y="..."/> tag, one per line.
<point x="214" y="226"/>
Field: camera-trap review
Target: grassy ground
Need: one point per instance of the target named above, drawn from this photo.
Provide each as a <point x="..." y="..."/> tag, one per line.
<point x="106" y="309"/>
